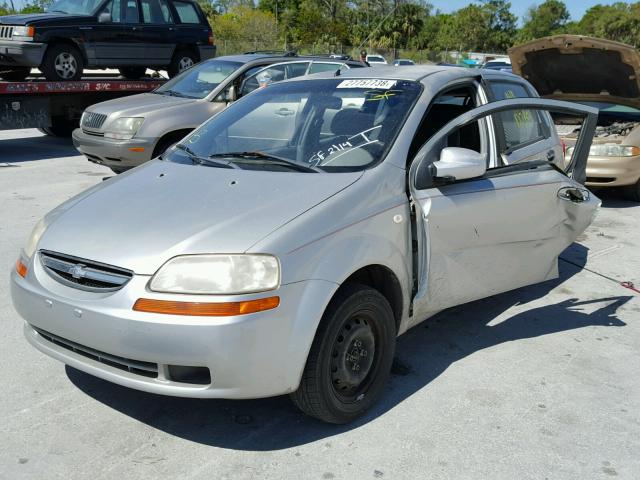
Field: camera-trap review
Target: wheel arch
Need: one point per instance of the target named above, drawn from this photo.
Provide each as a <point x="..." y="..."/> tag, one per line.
<point x="167" y="137"/>
<point x="57" y="40"/>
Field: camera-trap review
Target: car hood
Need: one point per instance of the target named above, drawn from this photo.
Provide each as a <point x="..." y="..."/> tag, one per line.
<point x="41" y="18"/>
<point x="140" y="219"/>
<point x="139" y="105"/>
<point x="573" y="67"/>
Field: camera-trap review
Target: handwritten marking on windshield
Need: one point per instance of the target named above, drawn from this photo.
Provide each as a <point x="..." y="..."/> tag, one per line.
<point x="317" y="160"/>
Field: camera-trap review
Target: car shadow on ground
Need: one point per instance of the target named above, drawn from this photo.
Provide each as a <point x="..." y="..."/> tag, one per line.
<point x="423" y="354"/>
<point x="614" y="198"/>
<point x="28" y="149"/>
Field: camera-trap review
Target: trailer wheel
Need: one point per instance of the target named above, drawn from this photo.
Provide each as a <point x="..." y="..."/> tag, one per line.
<point x="350" y="358"/>
<point x="15" y="74"/>
<point x="62" y="62"/>
<point x="132" y="73"/>
<point x="182" y="60"/>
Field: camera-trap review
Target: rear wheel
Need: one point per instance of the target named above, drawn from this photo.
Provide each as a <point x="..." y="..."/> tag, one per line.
<point x="60" y="127"/>
<point x="62" y="62"/>
<point x="182" y="60"/>
<point x="350" y="358"/>
<point x="15" y="74"/>
<point x="133" y="73"/>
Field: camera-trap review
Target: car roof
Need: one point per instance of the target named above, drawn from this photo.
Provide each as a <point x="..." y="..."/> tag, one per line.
<point x="249" y="57"/>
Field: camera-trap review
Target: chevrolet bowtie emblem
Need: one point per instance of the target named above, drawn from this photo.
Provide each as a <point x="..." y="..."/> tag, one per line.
<point x="78" y="271"/>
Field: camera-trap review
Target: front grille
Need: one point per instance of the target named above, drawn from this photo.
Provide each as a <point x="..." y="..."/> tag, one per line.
<point x="6" y="33"/>
<point x="95" y="134"/>
<point x="84" y="274"/>
<point x="146" y="369"/>
<point x="93" y="120"/>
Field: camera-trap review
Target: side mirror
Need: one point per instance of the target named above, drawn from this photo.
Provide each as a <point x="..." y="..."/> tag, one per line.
<point x="104" y="17"/>
<point x="459" y="164"/>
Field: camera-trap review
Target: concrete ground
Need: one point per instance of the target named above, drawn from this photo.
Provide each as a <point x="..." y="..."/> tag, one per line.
<point x="542" y="382"/>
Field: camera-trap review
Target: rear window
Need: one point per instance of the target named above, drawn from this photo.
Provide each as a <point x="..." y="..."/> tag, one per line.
<point x="187" y="12"/>
<point x="520" y="127"/>
<point x="155" y="11"/>
<point x="318" y="67"/>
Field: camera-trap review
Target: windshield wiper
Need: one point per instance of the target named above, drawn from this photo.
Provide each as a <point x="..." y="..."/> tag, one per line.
<point x="173" y="93"/>
<point x="263" y="157"/>
<point x="198" y="160"/>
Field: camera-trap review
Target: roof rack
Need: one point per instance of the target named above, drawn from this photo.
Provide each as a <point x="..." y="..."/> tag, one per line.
<point x="284" y="53"/>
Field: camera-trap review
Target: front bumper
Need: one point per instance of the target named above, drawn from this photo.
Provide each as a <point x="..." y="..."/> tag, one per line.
<point x="248" y="356"/>
<point x="114" y="153"/>
<point x="612" y="171"/>
<point x="21" y="54"/>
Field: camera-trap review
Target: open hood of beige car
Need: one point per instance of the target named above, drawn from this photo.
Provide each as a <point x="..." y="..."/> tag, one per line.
<point x="573" y="67"/>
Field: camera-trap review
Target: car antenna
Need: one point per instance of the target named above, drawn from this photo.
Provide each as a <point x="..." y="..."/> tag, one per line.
<point x="337" y="74"/>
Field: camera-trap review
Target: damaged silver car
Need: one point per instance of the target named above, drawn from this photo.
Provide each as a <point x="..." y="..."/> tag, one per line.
<point x="284" y="245"/>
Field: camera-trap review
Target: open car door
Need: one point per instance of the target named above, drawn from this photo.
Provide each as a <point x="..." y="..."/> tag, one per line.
<point x="483" y="231"/>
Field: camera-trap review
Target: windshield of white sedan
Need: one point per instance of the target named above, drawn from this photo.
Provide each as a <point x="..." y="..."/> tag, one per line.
<point x="199" y="81"/>
<point x="328" y="125"/>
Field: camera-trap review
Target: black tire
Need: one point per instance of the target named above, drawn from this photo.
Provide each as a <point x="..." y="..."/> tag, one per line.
<point x="342" y="378"/>
<point x="133" y="73"/>
<point x="632" y="192"/>
<point x="62" y="62"/>
<point x="182" y="60"/>
<point x="61" y="129"/>
<point x="16" y="74"/>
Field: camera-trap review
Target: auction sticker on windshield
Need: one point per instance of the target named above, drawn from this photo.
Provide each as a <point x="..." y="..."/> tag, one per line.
<point x="369" y="83"/>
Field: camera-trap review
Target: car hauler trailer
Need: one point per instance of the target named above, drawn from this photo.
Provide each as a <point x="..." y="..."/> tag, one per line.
<point x="56" y="107"/>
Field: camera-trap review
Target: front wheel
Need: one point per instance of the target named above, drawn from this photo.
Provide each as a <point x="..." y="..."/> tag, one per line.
<point x="133" y="73"/>
<point x="182" y="60"/>
<point x="350" y="358"/>
<point x="62" y="62"/>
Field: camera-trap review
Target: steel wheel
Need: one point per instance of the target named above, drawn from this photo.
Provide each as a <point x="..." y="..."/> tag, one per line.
<point x="66" y="65"/>
<point x="354" y="354"/>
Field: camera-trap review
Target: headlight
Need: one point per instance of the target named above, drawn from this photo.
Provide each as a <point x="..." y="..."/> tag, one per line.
<point x="24" y="33"/>
<point x="124" y="128"/>
<point x="609" y="150"/>
<point x="34" y="238"/>
<point x="217" y="274"/>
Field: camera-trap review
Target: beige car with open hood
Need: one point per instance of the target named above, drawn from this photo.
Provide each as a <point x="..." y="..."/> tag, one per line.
<point x="600" y="73"/>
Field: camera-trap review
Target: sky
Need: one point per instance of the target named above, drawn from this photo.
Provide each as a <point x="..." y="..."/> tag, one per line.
<point x="520" y="7"/>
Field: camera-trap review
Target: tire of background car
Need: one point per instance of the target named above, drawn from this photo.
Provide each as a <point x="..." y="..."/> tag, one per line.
<point x="163" y="144"/>
<point x="350" y="358"/>
<point x="62" y="62"/>
<point x="15" y="74"/>
<point x="60" y="127"/>
<point x="632" y="192"/>
<point x="132" y="73"/>
<point x="182" y="60"/>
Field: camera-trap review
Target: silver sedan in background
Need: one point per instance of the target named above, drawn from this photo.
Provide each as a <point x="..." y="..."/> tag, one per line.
<point x="285" y="244"/>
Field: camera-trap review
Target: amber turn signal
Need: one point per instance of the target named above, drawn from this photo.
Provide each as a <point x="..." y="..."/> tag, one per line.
<point x="205" y="309"/>
<point x="136" y="149"/>
<point x="21" y="268"/>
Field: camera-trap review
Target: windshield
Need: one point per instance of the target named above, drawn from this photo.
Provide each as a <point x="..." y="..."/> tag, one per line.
<point x="328" y="125"/>
<point x="199" y="81"/>
<point x="78" y="7"/>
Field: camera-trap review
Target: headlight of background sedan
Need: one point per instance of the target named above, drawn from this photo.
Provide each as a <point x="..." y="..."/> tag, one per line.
<point x="217" y="274"/>
<point x="34" y="238"/>
<point x="609" y="150"/>
<point x="123" y="128"/>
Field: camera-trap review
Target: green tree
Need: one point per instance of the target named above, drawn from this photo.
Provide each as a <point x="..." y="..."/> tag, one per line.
<point x="502" y="25"/>
<point x="548" y="18"/>
<point x="620" y="22"/>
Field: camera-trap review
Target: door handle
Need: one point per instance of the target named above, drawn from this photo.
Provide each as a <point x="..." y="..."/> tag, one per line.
<point x="574" y="194"/>
<point x="284" y="112"/>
